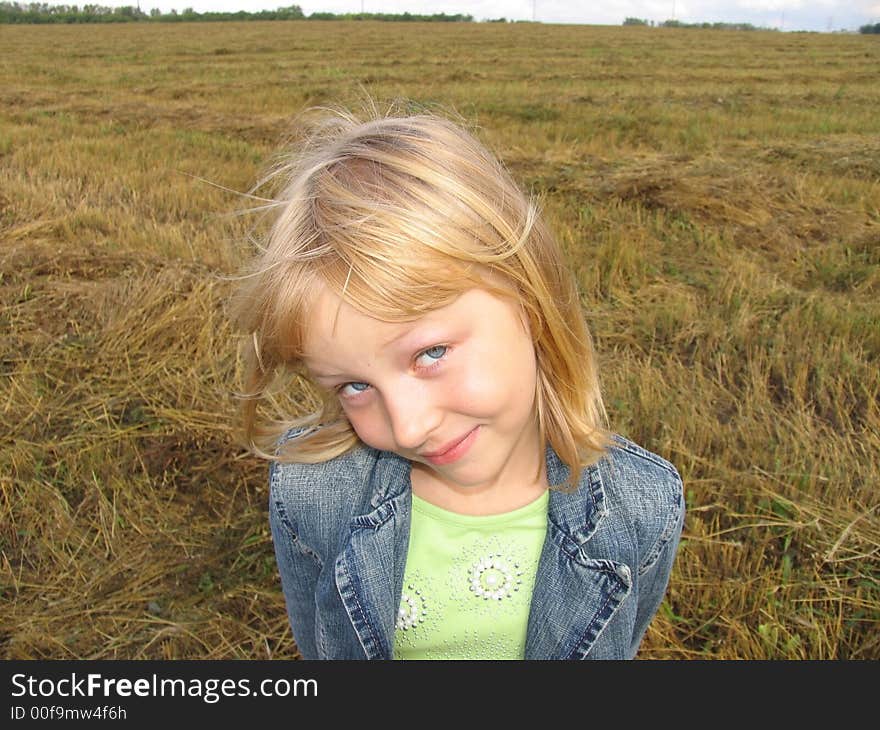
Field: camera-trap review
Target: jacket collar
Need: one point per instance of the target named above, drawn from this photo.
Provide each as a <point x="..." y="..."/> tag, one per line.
<point x="558" y="628"/>
<point x="577" y="514"/>
<point x="390" y="477"/>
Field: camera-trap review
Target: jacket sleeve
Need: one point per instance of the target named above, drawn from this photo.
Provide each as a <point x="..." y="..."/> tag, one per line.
<point x="298" y="565"/>
<point x="655" y="571"/>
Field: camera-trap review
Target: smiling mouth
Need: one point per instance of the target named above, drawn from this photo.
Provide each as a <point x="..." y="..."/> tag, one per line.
<point x="448" y="447"/>
<point x="454" y="451"/>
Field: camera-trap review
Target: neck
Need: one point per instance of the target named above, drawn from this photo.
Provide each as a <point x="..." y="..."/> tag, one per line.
<point x="485" y="500"/>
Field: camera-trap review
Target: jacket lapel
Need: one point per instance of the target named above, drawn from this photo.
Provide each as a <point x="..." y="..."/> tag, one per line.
<point x="369" y="570"/>
<point x="579" y="594"/>
<point x="580" y="598"/>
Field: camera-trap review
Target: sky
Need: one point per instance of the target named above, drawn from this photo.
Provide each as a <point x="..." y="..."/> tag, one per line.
<point x="788" y="15"/>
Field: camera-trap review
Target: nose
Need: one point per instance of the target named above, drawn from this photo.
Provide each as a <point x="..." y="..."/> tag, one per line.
<point x="413" y="416"/>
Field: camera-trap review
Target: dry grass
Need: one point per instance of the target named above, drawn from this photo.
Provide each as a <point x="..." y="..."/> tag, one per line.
<point x="719" y="196"/>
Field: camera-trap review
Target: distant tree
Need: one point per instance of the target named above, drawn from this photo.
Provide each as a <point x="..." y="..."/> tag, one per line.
<point x="711" y="26"/>
<point x="12" y="12"/>
<point x="635" y="21"/>
<point x="870" y="28"/>
<point x="291" y="12"/>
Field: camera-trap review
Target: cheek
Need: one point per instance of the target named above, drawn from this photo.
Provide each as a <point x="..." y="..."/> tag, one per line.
<point x="369" y="427"/>
<point x="492" y="386"/>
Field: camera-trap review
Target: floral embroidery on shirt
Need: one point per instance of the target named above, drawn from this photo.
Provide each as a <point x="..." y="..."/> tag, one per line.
<point x="419" y="610"/>
<point x="492" y="573"/>
<point x="495" y="577"/>
<point x="485" y="579"/>
<point x="468" y="583"/>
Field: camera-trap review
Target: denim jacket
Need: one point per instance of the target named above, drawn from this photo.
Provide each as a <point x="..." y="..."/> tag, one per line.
<point x="341" y="533"/>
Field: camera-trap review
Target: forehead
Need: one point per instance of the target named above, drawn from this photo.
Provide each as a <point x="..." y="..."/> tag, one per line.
<point x="338" y="332"/>
<point x="334" y="323"/>
<point x="331" y="316"/>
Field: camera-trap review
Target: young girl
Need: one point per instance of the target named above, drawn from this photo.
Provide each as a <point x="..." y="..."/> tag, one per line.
<point x="455" y="494"/>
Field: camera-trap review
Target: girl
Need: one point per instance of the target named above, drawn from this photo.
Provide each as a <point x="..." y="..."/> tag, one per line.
<point x="455" y="494"/>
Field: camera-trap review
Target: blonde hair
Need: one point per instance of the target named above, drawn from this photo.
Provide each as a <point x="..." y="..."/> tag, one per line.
<point x="400" y="213"/>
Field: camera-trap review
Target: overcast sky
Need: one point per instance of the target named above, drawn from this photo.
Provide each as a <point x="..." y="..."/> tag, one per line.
<point x="819" y="15"/>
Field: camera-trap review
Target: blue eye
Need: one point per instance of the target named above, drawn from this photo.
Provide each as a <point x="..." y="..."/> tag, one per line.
<point x="435" y="362"/>
<point x="437" y="358"/>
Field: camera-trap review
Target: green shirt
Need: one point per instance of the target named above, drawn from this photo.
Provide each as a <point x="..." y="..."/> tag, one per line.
<point x="468" y="582"/>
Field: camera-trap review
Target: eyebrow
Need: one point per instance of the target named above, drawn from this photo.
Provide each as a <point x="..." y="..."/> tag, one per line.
<point x="388" y="343"/>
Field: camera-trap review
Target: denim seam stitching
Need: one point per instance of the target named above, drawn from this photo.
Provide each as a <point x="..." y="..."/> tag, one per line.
<point x="590" y="625"/>
<point x="672" y="521"/>
<point x="357" y="524"/>
<point x="373" y="636"/>
<point x="294" y="538"/>
<point x="321" y="638"/>
<point x="565" y="538"/>
<point x="646" y="455"/>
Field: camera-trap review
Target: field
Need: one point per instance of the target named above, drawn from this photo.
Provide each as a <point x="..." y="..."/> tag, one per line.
<point x="718" y="194"/>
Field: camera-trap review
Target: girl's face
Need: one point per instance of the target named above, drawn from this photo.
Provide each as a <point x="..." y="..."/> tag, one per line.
<point x="453" y="391"/>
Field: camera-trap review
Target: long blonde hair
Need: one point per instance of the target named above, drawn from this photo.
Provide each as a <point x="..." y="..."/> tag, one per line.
<point x="400" y="213"/>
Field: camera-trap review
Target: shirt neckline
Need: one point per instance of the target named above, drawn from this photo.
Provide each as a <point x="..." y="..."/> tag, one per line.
<point x="432" y="510"/>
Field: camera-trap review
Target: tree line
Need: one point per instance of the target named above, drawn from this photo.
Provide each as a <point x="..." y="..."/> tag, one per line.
<point x="45" y="13"/>
<point x="722" y="26"/>
<point x="680" y="24"/>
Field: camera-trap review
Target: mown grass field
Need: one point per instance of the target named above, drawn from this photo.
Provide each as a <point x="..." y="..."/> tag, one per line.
<point x="718" y="194"/>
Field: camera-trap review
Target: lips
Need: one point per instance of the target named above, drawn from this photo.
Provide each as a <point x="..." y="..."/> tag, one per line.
<point x="456" y="451"/>
<point x="440" y="452"/>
